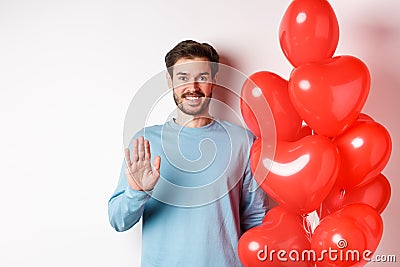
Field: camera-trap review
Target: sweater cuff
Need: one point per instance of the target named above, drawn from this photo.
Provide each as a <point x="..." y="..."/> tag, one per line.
<point x="137" y="194"/>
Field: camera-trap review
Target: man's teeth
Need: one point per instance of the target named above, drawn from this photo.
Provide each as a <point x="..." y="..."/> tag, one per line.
<point x="192" y="97"/>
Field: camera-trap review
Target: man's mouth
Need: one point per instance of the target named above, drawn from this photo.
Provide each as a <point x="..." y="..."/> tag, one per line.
<point x="193" y="97"/>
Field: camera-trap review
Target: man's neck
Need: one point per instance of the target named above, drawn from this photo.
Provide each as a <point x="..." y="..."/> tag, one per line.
<point x="193" y="121"/>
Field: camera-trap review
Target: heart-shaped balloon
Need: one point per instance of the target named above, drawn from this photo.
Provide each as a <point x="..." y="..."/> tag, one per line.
<point x="366" y="218"/>
<point x="352" y="234"/>
<point x="275" y="90"/>
<point x="280" y="230"/>
<point x="300" y="175"/>
<point x="309" y="31"/>
<point x="365" y="150"/>
<point x="375" y="193"/>
<point x="330" y="94"/>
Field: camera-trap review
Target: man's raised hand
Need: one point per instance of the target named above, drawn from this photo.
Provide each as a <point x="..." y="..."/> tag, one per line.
<point x="138" y="171"/>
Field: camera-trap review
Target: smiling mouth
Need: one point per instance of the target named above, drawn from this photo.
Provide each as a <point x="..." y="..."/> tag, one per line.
<point x="192" y="98"/>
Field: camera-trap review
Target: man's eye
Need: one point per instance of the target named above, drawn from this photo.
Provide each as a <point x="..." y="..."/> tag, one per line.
<point x="202" y="78"/>
<point x="182" y="78"/>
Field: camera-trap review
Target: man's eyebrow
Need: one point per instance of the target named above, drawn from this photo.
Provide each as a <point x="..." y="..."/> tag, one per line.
<point x="185" y="73"/>
<point x="204" y="73"/>
<point x="182" y="73"/>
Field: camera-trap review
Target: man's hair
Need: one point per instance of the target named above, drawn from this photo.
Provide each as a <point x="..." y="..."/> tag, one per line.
<point x="191" y="49"/>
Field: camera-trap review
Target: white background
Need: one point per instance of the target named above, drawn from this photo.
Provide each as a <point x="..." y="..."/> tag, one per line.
<point x="68" y="71"/>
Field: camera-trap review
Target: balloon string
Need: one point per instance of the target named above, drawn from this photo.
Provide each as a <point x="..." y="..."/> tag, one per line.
<point x="320" y="212"/>
<point x="306" y="225"/>
<point x="339" y="201"/>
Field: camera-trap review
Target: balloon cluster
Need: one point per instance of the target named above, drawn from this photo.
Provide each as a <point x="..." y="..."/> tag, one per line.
<point x="329" y="156"/>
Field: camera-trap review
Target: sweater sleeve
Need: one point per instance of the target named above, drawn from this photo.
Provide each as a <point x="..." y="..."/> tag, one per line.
<point x="126" y="205"/>
<point x="254" y="202"/>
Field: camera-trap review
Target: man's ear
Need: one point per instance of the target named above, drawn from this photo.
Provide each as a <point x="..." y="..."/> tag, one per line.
<point x="214" y="81"/>
<point x="169" y="79"/>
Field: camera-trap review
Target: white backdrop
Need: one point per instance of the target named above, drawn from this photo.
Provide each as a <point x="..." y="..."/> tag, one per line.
<point x="68" y="71"/>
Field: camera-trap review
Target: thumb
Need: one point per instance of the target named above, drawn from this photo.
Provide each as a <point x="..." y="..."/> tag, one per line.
<point x="157" y="163"/>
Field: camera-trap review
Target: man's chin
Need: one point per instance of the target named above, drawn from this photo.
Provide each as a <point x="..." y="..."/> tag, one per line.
<point x="192" y="110"/>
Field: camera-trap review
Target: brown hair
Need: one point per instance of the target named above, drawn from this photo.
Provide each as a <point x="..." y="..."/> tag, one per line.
<point x="191" y="49"/>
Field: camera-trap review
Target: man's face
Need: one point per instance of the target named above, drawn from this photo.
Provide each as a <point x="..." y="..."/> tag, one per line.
<point x="192" y="85"/>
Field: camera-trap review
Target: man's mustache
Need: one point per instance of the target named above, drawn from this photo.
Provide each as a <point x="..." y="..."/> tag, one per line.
<point x="193" y="94"/>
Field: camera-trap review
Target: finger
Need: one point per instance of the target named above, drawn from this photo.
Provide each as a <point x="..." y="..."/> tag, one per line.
<point x="141" y="148"/>
<point x="157" y="164"/>
<point x="147" y="153"/>
<point x="135" y="156"/>
<point x="127" y="157"/>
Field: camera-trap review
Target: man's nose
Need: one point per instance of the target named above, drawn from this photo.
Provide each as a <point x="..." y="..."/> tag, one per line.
<point x="193" y="84"/>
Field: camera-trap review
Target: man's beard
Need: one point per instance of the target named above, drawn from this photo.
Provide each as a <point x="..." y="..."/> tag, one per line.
<point x="188" y="111"/>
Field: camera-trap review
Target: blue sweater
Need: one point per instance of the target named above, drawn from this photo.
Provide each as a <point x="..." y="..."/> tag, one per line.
<point x="204" y="200"/>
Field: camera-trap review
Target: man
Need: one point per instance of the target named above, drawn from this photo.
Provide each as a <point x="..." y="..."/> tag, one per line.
<point x="198" y="196"/>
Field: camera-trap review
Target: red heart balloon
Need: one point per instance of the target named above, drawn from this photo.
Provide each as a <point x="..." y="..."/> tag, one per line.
<point x="375" y="193"/>
<point x="351" y="233"/>
<point x="366" y="218"/>
<point x="329" y="95"/>
<point x="275" y="90"/>
<point x="309" y="31"/>
<point x="365" y="150"/>
<point x="280" y="230"/>
<point x="334" y="235"/>
<point x="300" y="175"/>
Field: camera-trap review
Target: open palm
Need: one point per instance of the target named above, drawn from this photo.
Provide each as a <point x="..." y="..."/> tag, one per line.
<point x="141" y="176"/>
